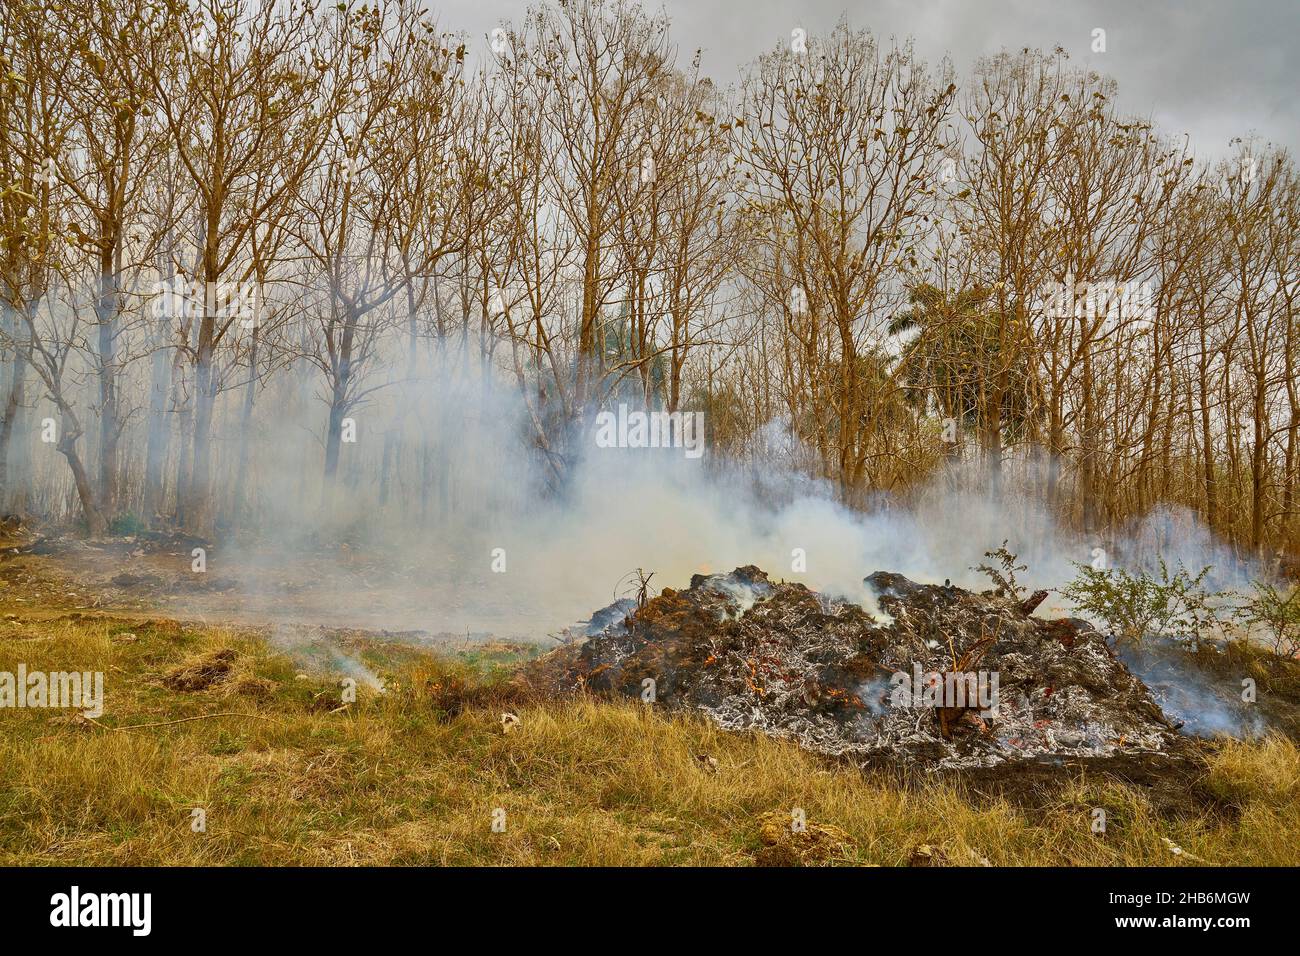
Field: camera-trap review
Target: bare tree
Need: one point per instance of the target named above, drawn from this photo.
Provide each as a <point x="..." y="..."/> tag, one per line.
<point x="230" y="85"/>
<point x="842" y="150"/>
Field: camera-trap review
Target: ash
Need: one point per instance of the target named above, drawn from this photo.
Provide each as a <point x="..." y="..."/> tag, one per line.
<point x="778" y="658"/>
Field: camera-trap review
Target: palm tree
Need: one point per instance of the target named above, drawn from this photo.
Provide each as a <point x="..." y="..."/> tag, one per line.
<point x="952" y="361"/>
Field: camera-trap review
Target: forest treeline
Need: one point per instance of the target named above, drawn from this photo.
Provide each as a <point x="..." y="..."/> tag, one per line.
<point x="255" y="247"/>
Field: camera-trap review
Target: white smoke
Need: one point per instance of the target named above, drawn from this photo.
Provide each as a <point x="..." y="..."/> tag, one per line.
<point x="481" y="550"/>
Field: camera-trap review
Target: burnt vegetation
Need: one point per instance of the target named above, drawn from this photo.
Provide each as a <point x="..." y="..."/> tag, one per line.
<point x="777" y="657"/>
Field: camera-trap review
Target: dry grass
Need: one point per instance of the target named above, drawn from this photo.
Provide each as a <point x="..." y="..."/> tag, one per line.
<point x="394" y="780"/>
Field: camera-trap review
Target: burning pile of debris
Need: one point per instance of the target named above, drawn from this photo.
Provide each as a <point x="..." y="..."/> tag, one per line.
<point x="939" y="675"/>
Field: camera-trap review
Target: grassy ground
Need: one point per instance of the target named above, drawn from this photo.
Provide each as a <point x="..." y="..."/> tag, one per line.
<point x="416" y="774"/>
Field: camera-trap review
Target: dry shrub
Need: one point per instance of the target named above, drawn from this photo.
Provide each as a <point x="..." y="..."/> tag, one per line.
<point x="200" y="673"/>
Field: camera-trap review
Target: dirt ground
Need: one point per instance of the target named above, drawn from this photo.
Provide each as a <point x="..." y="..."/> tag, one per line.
<point x="297" y="606"/>
<point x="340" y="588"/>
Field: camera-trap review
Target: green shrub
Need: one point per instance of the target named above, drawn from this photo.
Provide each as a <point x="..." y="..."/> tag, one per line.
<point x="1137" y="604"/>
<point x="127" y="524"/>
<point x="1003" y="575"/>
<point x="1276" y="614"/>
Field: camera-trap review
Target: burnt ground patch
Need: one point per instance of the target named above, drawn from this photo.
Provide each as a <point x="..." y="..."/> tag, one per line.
<point x="775" y="657"/>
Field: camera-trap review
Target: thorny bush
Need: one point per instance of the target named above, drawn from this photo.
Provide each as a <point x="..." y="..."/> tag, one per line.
<point x="1277" y="613"/>
<point x="1141" y="603"/>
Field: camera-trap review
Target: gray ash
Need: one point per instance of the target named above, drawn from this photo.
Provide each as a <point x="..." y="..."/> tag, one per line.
<point x="776" y="657"/>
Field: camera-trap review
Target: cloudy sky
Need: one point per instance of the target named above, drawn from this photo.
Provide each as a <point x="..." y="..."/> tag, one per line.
<point x="1211" y="68"/>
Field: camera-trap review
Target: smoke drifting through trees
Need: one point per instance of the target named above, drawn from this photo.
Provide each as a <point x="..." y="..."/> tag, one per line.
<point x="413" y="272"/>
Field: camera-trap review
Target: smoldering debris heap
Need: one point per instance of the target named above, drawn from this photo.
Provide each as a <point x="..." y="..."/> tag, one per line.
<point x="942" y="676"/>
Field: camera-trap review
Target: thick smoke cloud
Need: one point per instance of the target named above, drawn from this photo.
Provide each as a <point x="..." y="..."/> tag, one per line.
<point x="503" y="554"/>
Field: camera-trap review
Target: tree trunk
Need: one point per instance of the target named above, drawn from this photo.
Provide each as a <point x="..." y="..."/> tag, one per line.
<point x="158" y="437"/>
<point x="1259" y="462"/>
<point x="106" y="316"/>
<point x="70" y="431"/>
<point x="1207" y="438"/>
<point x="184" y="406"/>
<point x="198" y="508"/>
<point x="13" y="401"/>
<point x="238" y="503"/>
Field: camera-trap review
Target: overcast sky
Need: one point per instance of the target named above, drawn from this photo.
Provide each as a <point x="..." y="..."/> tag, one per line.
<point x="1211" y="68"/>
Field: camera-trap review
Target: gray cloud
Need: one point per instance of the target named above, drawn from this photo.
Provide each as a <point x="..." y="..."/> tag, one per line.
<point x="1210" y="69"/>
